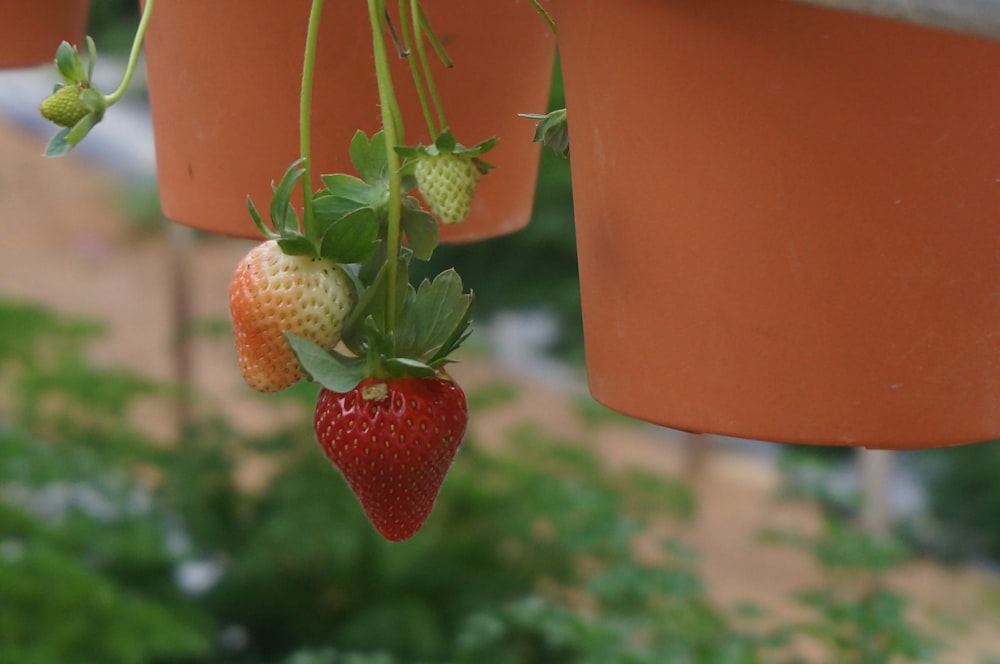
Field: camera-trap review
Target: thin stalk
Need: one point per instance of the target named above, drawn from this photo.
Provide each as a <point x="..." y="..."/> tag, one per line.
<point x="418" y="39"/>
<point x="433" y="38"/>
<point x="545" y="14"/>
<point x="418" y="80"/>
<point x="389" y="106"/>
<point x="133" y="56"/>
<point x="305" y="120"/>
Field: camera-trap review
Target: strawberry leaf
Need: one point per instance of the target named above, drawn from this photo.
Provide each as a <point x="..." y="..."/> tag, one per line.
<point x="435" y="319"/>
<point x="255" y="215"/>
<point x="369" y="157"/>
<point x="347" y="186"/>
<point x="552" y="131"/>
<point x="332" y="370"/>
<point x="328" y="208"/>
<point x="352" y="238"/>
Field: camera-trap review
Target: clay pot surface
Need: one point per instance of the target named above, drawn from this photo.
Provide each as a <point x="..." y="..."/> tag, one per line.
<point x="787" y="220"/>
<point x="224" y="80"/>
<point x="31" y="30"/>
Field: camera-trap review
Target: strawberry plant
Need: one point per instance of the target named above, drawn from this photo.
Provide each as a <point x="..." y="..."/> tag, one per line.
<point x="327" y="296"/>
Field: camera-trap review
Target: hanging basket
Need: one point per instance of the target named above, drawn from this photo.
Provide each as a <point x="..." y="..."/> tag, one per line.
<point x="787" y="220"/>
<point x="31" y="30"/>
<point x="224" y="81"/>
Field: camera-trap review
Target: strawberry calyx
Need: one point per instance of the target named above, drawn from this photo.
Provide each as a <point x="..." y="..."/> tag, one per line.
<point x="445" y="143"/>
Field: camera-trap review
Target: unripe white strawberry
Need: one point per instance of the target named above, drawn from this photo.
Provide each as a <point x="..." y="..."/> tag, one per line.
<point x="448" y="182"/>
<point x="273" y="293"/>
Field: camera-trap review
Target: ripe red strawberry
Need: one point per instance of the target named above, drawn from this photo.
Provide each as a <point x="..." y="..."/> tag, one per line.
<point x="448" y="181"/>
<point x="272" y="293"/>
<point x="393" y="439"/>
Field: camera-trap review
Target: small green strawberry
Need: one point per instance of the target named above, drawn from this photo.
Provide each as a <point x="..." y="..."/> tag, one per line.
<point x="447" y="175"/>
<point x="393" y="440"/>
<point x="448" y="182"/>
<point x="63" y="107"/>
<point x="273" y="293"/>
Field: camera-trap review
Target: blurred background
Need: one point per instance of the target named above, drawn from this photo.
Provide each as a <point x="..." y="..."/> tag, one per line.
<point x="154" y="510"/>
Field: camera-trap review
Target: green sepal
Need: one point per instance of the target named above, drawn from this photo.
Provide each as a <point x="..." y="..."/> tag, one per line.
<point x="330" y="369"/>
<point x="552" y="131"/>
<point x="69" y="65"/>
<point x="93" y="101"/>
<point x="68" y="138"/>
<point x="354" y="189"/>
<point x="259" y="222"/>
<point x="404" y="366"/>
<point x="296" y="245"/>
<point x="283" y="215"/>
<point x="91" y="57"/>
<point x="58" y="145"/>
<point x="445" y="143"/>
<point x="351" y="238"/>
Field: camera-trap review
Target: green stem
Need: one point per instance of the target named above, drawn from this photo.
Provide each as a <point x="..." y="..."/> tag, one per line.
<point x="388" y="104"/>
<point x="545" y="15"/>
<point x="305" y="121"/>
<point x="133" y="56"/>
<point x="418" y="38"/>
<point x="418" y="81"/>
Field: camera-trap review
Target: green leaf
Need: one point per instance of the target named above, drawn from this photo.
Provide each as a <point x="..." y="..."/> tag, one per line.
<point x="421" y="230"/>
<point x="352" y="238"/>
<point x="347" y="186"/>
<point x="369" y="157"/>
<point x="328" y="209"/>
<point x="332" y="370"/>
<point x="436" y="319"/>
<point x="552" y="131"/>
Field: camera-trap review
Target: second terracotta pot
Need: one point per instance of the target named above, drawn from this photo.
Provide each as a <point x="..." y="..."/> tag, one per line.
<point x="787" y="220"/>
<point x="224" y="81"/>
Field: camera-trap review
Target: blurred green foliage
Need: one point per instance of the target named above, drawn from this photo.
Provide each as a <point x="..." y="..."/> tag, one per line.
<point x="116" y="547"/>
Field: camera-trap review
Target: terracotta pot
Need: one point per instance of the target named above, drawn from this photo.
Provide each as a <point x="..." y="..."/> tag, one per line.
<point x="787" y="220"/>
<point x="31" y="31"/>
<point x="225" y="101"/>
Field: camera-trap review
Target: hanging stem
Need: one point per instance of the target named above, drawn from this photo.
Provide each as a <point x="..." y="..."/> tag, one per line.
<point x="418" y="38"/>
<point x="390" y="115"/>
<point x="418" y="80"/>
<point x="545" y="15"/>
<point x="133" y="56"/>
<point x="305" y="120"/>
